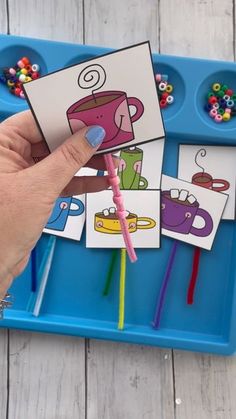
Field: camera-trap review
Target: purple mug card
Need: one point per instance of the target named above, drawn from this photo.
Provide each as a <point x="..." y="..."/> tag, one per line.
<point x="116" y="91"/>
<point x="190" y="213"/>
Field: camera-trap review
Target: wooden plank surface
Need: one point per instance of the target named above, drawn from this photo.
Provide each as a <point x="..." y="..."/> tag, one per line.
<point x="199" y="28"/>
<point x="3" y="16"/>
<point x="46" y="377"/>
<point x="129" y="381"/>
<point x="61" y="20"/>
<point x="204" y="385"/>
<point x="49" y="375"/>
<point x="119" y="23"/>
<point x="3" y="372"/>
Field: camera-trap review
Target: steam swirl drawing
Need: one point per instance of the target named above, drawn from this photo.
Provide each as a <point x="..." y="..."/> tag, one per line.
<point x="205" y="179"/>
<point x="92" y="76"/>
<point x="109" y="109"/>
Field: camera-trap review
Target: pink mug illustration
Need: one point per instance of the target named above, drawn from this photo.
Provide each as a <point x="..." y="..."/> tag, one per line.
<point x="179" y="211"/>
<point x="205" y="180"/>
<point x="110" y="109"/>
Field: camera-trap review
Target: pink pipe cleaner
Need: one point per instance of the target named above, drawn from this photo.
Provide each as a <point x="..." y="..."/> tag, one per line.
<point x="120" y="209"/>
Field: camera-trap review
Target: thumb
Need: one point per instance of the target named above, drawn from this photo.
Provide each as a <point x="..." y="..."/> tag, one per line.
<point x="61" y="165"/>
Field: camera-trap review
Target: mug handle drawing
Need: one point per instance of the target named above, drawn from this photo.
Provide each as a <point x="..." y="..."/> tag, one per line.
<point x="150" y="223"/>
<point x="208" y="227"/>
<point x="224" y="187"/>
<point x="77" y="211"/>
<point x="133" y="101"/>
<point x="143" y="183"/>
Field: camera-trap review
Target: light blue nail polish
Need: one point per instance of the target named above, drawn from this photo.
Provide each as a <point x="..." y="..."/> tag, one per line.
<point x="95" y="135"/>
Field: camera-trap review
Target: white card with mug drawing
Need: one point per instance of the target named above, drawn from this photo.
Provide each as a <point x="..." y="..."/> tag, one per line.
<point x="212" y="167"/>
<point x="103" y="228"/>
<point x="140" y="167"/>
<point x="189" y="212"/>
<point x="110" y="90"/>
<point x="68" y="215"/>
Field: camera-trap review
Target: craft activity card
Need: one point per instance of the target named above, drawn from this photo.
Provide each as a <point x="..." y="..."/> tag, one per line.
<point x="110" y="90"/>
<point x="189" y="212"/>
<point x="212" y="167"/>
<point x="143" y="217"/>
<point x="68" y="216"/>
<point x="140" y="167"/>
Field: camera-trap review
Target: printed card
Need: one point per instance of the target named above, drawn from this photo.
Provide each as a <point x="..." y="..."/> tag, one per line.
<point x="140" y="167"/>
<point x="68" y="216"/>
<point x="189" y="212"/>
<point x="212" y="167"/>
<point x="143" y="216"/>
<point x="110" y="90"/>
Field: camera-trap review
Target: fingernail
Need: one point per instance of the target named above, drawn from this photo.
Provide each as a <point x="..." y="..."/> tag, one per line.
<point x="95" y="135"/>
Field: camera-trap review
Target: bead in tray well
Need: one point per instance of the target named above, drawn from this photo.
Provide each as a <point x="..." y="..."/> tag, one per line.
<point x="15" y="76"/>
<point x="220" y="103"/>
<point x="165" y="89"/>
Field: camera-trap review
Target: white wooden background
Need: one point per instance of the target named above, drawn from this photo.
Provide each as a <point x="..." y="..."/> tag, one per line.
<point x="54" y="377"/>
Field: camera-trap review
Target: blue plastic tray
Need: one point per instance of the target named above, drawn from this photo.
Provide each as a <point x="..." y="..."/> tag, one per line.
<point x="73" y="302"/>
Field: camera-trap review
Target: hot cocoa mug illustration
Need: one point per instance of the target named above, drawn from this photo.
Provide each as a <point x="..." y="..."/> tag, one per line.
<point x="178" y="215"/>
<point x="206" y="181"/>
<point x="62" y="210"/>
<point x="111" y="110"/>
<point x="130" y="169"/>
<point x="108" y="222"/>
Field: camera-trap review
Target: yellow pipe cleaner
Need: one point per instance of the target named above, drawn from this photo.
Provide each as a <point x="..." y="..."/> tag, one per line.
<point x="122" y="289"/>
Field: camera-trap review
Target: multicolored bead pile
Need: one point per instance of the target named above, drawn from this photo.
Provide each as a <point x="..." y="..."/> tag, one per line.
<point x="23" y="72"/>
<point x="165" y="90"/>
<point x="221" y="103"/>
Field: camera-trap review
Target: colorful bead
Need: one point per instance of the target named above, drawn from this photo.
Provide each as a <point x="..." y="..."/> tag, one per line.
<point x="25" y="60"/>
<point x="20" y="64"/>
<point x="230" y="103"/>
<point x="226" y="116"/>
<point x="216" y="87"/>
<point x="208" y="107"/>
<point x="170" y="99"/>
<point x="35" y="68"/>
<point x="163" y="96"/>
<point x="221" y="93"/>
<point x="218" y="118"/>
<point x="13" y="77"/>
<point x="164" y="77"/>
<point x="213" y="113"/>
<point x="216" y="105"/>
<point x="158" y="77"/>
<point x="221" y="111"/>
<point x="12" y="71"/>
<point x="212" y="100"/>
<point x="162" y="86"/>
<point x="228" y="110"/>
<point x="169" y="88"/>
<point x="163" y="89"/>
<point x="226" y="97"/>
<point x="163" y="103"/>
<point x="229" y="92"/>
<point x="22" y="78"/>
<point x="35" y="75"/>
<point x="210" y="94"/>
<point x="224" y="87"/>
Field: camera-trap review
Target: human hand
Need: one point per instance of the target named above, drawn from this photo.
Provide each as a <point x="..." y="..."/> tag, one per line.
<point x="28" y="191"/>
